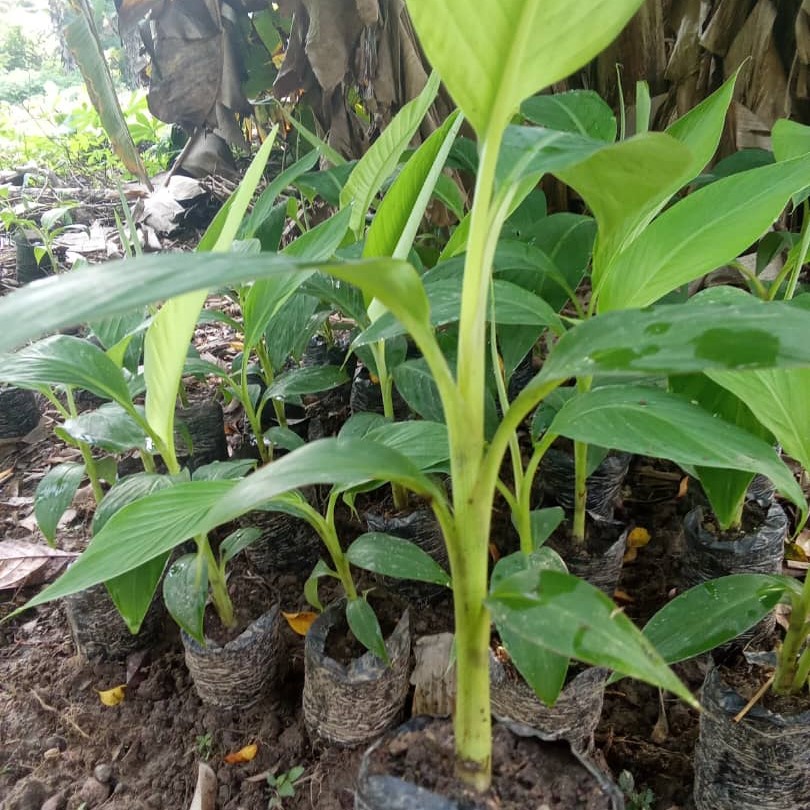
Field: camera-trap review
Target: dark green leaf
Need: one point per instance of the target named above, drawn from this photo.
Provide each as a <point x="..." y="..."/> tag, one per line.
<point x="581" y="111"/>
<point x="712" y="613"/>
<point x="363" y="623"/>
<point x="236" y="542"/>
<point x="284" y="438"/>
<point x="416" y="385"/>
<point x="424" y="443"/>
<point x="185" y="591"/>
<point x="319" y="244"/>
<point x="570" y="617"/>
<point x="544" y="522"/>
<point x="132" y="593"/>
<point x="223" y="470"/>
<point x="307" y="380"/>
<point x="395" y="557"/>
<point x="54" y="494"/>
<point x="109" y="427"/>
<point x="64" y="360"/>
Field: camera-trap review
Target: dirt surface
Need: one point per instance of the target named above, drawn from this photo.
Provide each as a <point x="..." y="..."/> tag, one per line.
<point x="59" y="742"/>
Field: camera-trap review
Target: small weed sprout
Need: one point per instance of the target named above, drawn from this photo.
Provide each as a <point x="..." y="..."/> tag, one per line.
<point x="635" y="799"/>
<point x="282" y="786"/>
<point x="204" y="744"/>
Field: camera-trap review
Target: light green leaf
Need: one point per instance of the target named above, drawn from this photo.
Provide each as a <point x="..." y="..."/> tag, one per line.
<point x="165" y="349"/>
<point x="366" y="628"/>
<point x="223" y="470"/>
<point x="700" y="233"/>
<point x="544" y="522"/>
<point x="284" y="438"/>
<point x="395" y="557"/>
<point x="374" y="168"/>
<point x="556" y="611"/>
<point x="320" y="570"/>
<point x="654" y="423"/>
<point x="622" y="195"/>
<point x="54" y="493"/>
<point x="790" y="139"/>
<point x="185" y="591"/>
<point x="109" y="427"/>
<point x="64" y="360"/>
<point x="581" y="111"/>
<point x="505" y="52"/>
<point x="398" y="216"/>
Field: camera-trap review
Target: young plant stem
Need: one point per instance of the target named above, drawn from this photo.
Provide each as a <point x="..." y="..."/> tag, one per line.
<point x="524" y="493"/>
<point x="802" y="256"/>
<point x="253" y="417"/>
<point x="398" y="493"/>
<point x="580" y="479"/>
<point x="217" y="583"/>
<point x="787" y="662"/>
<point x="90" y="468"/>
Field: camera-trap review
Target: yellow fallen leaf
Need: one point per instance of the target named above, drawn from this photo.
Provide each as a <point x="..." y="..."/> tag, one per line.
<point x="112" y="697"/>
<point x="622" y="596"/>
<point x="236" y="345"/>
<point x="242" y="755"/>
<point x="630" y="555"/>
<point x="638" y="538"/>
<point x="6" y="474"/>
<point x="300" y="622"/>
<point x="683" y="487"/>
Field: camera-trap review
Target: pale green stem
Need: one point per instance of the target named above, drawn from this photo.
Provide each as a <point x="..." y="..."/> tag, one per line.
<point x="524" y="494"/>
<point x="802" y="671"/>
<point x="580" y="478"/>
<point x="253" y="416"/>
<point x="788" y="658"/>
<point x="217" y="583"/>
<point x="398" y="493"/>
<point x="90" y="468"/>
<point x="800" y="259"/>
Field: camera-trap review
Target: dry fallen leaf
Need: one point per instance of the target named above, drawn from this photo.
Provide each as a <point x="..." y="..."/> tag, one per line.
<point x="30" y="563"/>
<point x="638" y="538"/>
<point x="300" y="622"/>
<point x="6" y="474"/>
<point x="622" y="596"/>
<point x="245" y="754"/>
<point x="112" y="697"/>
<point x="683" y="487"/>
<point x="630" y="555"/>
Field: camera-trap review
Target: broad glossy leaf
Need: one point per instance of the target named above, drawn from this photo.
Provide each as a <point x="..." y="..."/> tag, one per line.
<point x="360" y="424"/>
<point x="140" y="532"/>
<point x="64" y="360"/>
<point x="366" y="628"/>
<point x="508" y="50"/>
<point x="654" y="423"/>
<point x="284" y="438"/>
<point x="558" y="612"/>
<point x="424" y="443"/>
<point x="344" y="462"/>
<point x="374" y="168"/>
<point x="683" y="338"/>
<point x="543" y="670"/>
<point x="712" y="613"/>
<point x="395" y="557"/>
<point x="237" y="541"/>
<point x="185" y="592"/>
<point x="125" y="491"/>
<point x="398" y="216"/>
<point x="54" y="494"/>
<point x="581" y="111"/>
<point x="790" y="139"/>
<point x="326" y="183"/>
<point x="700" y="233"/>
<point x="306" y="380"/>
<point x="108" y="426"/>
